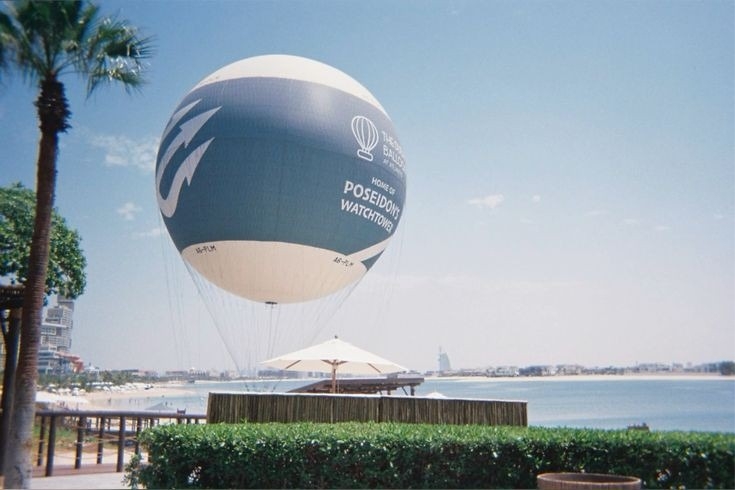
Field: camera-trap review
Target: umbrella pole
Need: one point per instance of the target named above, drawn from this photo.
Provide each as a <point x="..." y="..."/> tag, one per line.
<point x="334" y="378"/>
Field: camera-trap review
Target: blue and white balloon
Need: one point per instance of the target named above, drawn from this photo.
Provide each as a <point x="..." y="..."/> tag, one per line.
<point x="280" y="179"/>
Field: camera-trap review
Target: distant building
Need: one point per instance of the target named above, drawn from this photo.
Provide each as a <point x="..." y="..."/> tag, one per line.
<point x="56" y="334"/>
<point x="56" y="330"/>
<point x="503" y="371"/>
<point x="444" y="364"/>
<point x="569" y="369"/>
<point x="537" y="371"/>
<point x="53" y="361"/>
<point x="49" y="361"/>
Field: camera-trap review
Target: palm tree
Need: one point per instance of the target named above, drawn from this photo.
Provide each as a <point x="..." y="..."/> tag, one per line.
<point x="45" y="40"/>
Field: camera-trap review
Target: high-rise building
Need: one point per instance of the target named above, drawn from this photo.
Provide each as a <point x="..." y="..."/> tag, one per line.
<point x="55" y="351"/>
<point x="444" y="364"/>
<point x="56" y="330"/>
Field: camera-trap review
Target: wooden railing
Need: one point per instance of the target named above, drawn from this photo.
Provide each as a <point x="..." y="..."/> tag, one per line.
<point x="119" y="428"/>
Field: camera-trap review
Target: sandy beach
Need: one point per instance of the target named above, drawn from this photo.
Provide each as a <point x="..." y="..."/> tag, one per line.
<point x="154" y="392"/>
<point x="133" y="396"/>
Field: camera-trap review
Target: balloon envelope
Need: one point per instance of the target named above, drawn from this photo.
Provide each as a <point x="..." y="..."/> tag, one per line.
<point x="280" y="179"/>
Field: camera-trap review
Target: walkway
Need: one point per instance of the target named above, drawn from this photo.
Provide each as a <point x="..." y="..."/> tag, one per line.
<point x="80" y="481"/>
<point x="89" y="477"/>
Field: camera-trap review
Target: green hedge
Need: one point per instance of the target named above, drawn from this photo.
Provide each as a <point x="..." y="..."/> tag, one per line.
<point x="370" y="455"/>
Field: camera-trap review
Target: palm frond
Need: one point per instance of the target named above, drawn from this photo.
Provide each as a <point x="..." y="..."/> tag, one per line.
<point x="15" y="44"/>
<point x="6" y="37"/>
<point x="116" y="70"/>
<point x="37" y="32"/>
<point x="45" y="38"/>
<point x="84" y="24"/>
<point x="78" y="34"/>
<point x="37" y="38"/>
<point x="117" y="53"/>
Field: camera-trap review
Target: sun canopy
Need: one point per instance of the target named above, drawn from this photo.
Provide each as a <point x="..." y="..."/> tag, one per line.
<point x="333" y="355"/>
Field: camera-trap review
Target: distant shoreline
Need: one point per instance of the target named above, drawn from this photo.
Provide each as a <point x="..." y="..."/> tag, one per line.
<point x="593" y="377"/>
<point x="159" y="392"/>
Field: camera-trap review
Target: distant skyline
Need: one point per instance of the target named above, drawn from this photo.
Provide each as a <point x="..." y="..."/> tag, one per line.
<point x="571" y="180"/>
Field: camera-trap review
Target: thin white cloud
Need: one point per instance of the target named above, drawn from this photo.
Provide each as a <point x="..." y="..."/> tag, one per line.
<point x="121" y="151"/>
<point x="128" y="211"/>
<point x="661" y="228"/>
<point x="596" y="212"/>
<point x="631" y="222"/>
<point x="536" y="199"/>
<point x="491" y="201"/>
<point x="152" y="233"/>
<point x="718" y="216"/>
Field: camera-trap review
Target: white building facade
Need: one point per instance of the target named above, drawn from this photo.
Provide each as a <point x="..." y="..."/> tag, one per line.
<point x="56" y="337"/>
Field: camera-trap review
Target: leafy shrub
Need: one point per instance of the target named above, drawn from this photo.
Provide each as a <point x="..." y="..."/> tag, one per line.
<point x="371" y="455"/>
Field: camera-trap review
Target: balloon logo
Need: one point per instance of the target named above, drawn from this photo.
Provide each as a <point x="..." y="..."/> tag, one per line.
<point x="260" y="186"/>
<point x="366" y="135"/>
<point x="186" y="170"/>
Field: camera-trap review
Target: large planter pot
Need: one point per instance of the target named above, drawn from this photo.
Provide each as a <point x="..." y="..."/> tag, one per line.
<point x="587" y="481"/>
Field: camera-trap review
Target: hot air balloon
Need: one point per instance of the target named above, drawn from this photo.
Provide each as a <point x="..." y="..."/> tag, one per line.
<point x="280" y="179"/>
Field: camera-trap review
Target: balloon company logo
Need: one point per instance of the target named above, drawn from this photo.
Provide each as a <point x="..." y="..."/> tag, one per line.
<point x="187" y="131"/>
<point x="366" y="135"/>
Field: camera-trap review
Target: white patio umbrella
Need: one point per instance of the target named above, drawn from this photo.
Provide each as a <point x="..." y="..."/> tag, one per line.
<point x="332" y="355"/>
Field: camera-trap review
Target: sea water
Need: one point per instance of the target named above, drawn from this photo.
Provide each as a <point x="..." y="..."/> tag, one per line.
<point x="614" y="402"/>
<point x="606" y="402"/>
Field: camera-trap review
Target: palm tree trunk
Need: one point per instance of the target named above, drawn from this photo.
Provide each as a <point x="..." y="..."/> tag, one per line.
<point x="53" y="113"/>
<point x="12" y="337"/>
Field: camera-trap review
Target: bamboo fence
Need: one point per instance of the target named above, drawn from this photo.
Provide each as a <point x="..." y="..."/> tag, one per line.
<point x="292" y="407"/>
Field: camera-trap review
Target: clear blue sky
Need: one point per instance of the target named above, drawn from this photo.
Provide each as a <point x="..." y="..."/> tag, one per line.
<point x="571" y="178"/>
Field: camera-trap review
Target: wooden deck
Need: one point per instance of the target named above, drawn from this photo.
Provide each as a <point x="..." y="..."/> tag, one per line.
<point x="97" y="430"/>
<point x="364" y="386"/>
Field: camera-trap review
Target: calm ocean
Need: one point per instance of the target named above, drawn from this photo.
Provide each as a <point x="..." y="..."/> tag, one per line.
<point x="702" y="404"/>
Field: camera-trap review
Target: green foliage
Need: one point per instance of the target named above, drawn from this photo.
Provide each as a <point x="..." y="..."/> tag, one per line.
<point x="132" y="472"/>
<point x="66" y="259"/>
<point x="354" y="455"/>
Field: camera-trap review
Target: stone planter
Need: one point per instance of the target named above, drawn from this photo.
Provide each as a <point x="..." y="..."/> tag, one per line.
<point x="587" y="481"/>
